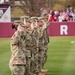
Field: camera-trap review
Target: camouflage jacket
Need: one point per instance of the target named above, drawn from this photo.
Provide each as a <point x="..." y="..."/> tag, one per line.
<point x="45" y="33"/>
<point x="28" y="43"/>
<point x="17" y="49"/>
<point x="41" y="36"/>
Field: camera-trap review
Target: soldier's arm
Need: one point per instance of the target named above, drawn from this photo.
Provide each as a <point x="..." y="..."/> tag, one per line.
<point x="48" y="23"/>
<point x="41" y="33"/>
<point x="16" y="38"/>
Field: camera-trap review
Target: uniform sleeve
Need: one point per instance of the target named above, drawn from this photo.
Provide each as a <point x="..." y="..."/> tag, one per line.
<point x="15" y="38"/>
<point x="41" y="31"/>
<point x="48" y="23"/>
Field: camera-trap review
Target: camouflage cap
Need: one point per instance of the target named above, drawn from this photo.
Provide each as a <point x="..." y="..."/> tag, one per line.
<point x="44" y="14"/>
<point x="26" y="17"/>
<point x="18" y="22"/>
<point x="33" y="19"/>
<point x="40" y="18"/>
<point x="22" y="24"/>
<point x="29" y="20"/>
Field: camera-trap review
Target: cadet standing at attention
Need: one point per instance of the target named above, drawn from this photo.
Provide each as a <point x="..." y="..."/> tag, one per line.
<point x="45" y="34"/>
<point x="28" y="46"/>
<point x="41" y="45"/>
<point x="17" y="61"/>
<point x="35" y="41"/>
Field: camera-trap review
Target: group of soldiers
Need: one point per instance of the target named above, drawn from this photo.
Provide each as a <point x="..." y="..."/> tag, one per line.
<point x="29" y="45"/>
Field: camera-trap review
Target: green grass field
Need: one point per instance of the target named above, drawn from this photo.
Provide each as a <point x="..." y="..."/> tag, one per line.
<point x="61" y="56"/>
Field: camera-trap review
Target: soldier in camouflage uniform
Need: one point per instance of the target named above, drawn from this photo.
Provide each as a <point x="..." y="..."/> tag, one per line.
<point x="41" y="45"/>
<point x="28" y="47"/>
<point x="35" y="45"/>
<point x="45" y="17"/>
<point x="17" y="61"/>
<point x="38" y="41"/>
<point x="45" y="36"/>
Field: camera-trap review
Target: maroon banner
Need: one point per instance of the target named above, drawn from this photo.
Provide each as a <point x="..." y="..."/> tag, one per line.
<point x="6" y="30"/>
<point x="62" y="29"/>
<point x="55" y="29"/>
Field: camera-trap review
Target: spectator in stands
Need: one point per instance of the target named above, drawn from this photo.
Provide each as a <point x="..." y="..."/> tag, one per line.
<point x="56" y="13"/>
<point x="1" y="13"/>
<point x="53" y="17"/>
<point x="70" y="19"/>
<point x="66" y="17"/>
<point x="73" y="15"/>
<point x="69" y="10"/>
<point x="61" y="17"/>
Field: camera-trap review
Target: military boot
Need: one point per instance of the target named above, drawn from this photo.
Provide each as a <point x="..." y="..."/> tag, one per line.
<point x="44" y="71"/>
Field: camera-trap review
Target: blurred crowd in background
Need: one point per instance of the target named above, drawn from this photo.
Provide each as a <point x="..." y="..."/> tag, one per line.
<point x="61" y="15"/>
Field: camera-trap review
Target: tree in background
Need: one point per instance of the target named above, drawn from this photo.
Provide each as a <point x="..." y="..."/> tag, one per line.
<point x="63" y="4"/>
<point x="72" y="3"/>
<point x="32" y="7"/>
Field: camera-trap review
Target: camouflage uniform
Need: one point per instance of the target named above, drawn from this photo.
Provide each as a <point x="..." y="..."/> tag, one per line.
<point x="28" y="51"/>
<point x="45" y="34"/>
<point x="35" y="51"/>
<point x="35" y="43"/>
<point x="17" y="61"/>
<point x="43" y="43"/>
<point x="41" y="48"/>
<point x="46" y="41"/>
<point x="46" y="20"/>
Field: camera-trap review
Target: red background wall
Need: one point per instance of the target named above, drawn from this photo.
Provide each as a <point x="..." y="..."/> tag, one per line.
<point x="54" y="29"/>
<point x="6" y="30"/>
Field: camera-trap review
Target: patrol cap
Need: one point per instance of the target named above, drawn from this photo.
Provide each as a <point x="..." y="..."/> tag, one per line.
<point x="44" y="14"/>
<point x="26" y="17"/>
<point x="29" y="20"/>
<point x="22" y="24"/>
<point x="18" y="22"/>
<point x="33" y="19"/>
<point x="40" y="18"/>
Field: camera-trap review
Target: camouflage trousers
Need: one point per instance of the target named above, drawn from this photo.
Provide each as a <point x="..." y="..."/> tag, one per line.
<point x="36" y="58"/>
<point x="39" y="59"/>
<point x="17" y="69"/>
<point x="45" y="48"/>
<point x="42" y="56"/>
<point x="22" y="69"/>
<point x="28" y="66"/>
<point x="37" y="62"/>
<point x="34" y="61"/>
